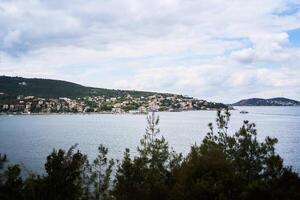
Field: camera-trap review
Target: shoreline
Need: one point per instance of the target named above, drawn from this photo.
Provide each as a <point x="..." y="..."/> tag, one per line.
<point x="99" y="113"/>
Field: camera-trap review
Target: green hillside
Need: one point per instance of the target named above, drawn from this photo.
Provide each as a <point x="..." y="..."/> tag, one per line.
<point x="14" y="86"/>
<point x="278" y="101"/>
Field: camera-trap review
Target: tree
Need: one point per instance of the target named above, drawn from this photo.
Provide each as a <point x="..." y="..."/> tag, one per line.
<point x="98" y="176"/>
<point x="147" y="175"/>
<point x="10" y="180"/>
<point x="234" y="166"/>
<point x="3" y="160"/>
<point x="64" y="174"/>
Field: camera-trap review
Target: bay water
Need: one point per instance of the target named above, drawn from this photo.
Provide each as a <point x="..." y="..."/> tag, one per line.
<point x="28" y="139"/>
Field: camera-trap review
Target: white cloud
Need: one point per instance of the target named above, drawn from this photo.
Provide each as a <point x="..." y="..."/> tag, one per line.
<point x="214" y="81"/>
<point x="217" y="49"/>
<point x="12" y="37"/>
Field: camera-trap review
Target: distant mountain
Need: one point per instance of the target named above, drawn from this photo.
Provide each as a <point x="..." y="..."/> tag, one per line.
<point x="278" y="101"/>
<point x="48" y="88"/>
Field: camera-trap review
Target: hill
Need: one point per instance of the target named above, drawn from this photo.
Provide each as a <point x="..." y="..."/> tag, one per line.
<point x="278" y="101"/>
<point x="13" y="86"/>
<point x="32" y="95"/>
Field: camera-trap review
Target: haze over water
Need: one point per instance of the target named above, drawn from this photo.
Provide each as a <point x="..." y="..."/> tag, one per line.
<point x="30" y="138"/>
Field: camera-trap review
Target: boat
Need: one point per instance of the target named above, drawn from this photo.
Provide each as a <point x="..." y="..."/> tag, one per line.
<point x="244" y="112"/>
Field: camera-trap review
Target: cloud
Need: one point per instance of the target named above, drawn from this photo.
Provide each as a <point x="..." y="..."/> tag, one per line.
<point x="231" y="84"/>
<point x="12" y="37"/>
<point x="219" y="50"/>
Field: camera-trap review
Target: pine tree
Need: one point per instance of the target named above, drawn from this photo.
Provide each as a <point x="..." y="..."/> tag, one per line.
<point x="147" y="175"/>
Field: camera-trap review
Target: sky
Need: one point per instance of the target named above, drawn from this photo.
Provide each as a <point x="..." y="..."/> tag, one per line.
<point x="217" y="50"/>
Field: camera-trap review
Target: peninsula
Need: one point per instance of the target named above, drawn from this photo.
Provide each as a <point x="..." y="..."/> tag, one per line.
<point x="278" y="101"/>
<point x="44" y="96"/>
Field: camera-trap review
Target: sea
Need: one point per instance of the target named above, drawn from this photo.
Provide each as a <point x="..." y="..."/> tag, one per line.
<point x="28" y="139"/>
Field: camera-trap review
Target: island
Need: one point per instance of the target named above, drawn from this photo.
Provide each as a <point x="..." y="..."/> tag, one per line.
<point x="278" y="101"/>
<point x="44" y="96"/>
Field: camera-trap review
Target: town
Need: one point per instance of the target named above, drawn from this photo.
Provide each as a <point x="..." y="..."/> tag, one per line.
<point x="103" y="104"/>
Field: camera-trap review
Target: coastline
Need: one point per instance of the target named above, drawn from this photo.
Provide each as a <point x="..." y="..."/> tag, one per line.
<point x="99" y="113"/>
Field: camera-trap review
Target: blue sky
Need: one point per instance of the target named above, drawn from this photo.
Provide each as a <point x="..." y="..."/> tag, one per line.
<point x="217" y="50"/>
<point x="294" y="37"/>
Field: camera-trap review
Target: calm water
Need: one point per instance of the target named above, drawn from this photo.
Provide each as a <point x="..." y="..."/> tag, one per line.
<point x="29" y="139"/>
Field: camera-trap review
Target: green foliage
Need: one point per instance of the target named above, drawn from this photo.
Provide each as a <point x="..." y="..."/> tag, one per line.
<point x="98" y="176"/>
<point x="3" y="159"/>
<point x="56" y="88"/>
<point x="147" y="175"/>
<point x="131" y="106"/>
<point x="11" y="184"/>
<point x="106" y="107"/>
<point x="234" y="166"/>
<point x="64" y="171"/>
